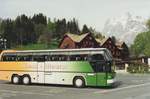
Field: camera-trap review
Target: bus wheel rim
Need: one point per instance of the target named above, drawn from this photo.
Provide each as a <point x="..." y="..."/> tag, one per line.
<point x="79" y="82"/>
<point x="15" y="80"/>
<point x="26" y="80"/>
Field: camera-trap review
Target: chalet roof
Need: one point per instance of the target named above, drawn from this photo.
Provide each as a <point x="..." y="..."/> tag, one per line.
<point x="77" y="38"/>
<point x="98" y="40"/>
<point x="119" y="44"/>
<point x="102" y="41"/>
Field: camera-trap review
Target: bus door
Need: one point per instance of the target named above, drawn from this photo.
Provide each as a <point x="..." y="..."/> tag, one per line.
<point x="101" y="75"/>
<point x="98" y="63"/>
<point x="40" y="72"/>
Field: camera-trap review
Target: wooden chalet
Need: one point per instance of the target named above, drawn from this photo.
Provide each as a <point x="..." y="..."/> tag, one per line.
<point x="123" y="49"/>
<point x="119" y="50"/>
<point x="78" y="41"/>
<point x="109" y="44"/>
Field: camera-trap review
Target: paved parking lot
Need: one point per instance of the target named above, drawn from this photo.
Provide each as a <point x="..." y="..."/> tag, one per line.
<point x="130" y="86"/>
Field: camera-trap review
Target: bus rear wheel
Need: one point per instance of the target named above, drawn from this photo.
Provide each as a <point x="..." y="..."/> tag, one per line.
<point x="15" y="79"/>
<point x="79" y="82"/>
<point x="26" y="80"/>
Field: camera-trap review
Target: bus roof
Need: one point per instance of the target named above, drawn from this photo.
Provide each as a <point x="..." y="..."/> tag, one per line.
<point x="82" y="51"/>
<point x="102" y="50"/>
<point x="62" y="50"/>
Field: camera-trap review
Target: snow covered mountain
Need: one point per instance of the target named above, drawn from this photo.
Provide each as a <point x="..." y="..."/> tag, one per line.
<point x="125" y="28"/>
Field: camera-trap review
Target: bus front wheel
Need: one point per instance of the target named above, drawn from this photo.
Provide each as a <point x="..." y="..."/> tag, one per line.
<point x="15" y="79"/>
<point x="79" y="82"/>
<point x="26" y="80"/>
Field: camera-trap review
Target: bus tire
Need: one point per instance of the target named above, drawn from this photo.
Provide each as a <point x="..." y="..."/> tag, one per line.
<point x="26" y="80"/>
<point x="15" y="79"/>
<point x="79" y="82"/>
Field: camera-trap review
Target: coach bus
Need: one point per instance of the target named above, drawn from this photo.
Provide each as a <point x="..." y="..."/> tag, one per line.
<point x="77" y="67"/>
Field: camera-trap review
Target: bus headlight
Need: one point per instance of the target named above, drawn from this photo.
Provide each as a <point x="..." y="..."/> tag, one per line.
<point x="110" y="81"/>
<point x="109" y="77"/>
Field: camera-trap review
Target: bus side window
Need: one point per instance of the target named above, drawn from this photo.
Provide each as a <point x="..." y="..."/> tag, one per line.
<point x="46" y="58"/>
<point x="97" y="57"/>
<point x="38" y="58"/>
<point x="24" y="58"/>
<point x="3" y="58"/>
<point x="68" y="58"/>
<point x="85" y="58"/>
<point x="72" y="57"/>
<point x="20" y="58"/>
<point x="10" y="58"/>
<point x="78" y="57"/>
<point x="29" y="58"/>
<point x="57" y="58"/>
<point x="52" y="58"/>
<point x="62" y="58"/>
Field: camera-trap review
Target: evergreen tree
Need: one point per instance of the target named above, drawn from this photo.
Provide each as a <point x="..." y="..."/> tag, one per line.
<point x="51" y="26"/>
<point x="45" y="37"/>
<point x="7" y="30"/>
<point x="39" y="19"/>
<point x="113" y="39"/>
<point x="85" y="29"/>
<point x="24" y="29"/>
<point x="61" y="28"/>
<point x="73" y="27"/>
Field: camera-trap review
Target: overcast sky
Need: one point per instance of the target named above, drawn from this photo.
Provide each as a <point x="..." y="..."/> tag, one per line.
<point x="91" y="12"/>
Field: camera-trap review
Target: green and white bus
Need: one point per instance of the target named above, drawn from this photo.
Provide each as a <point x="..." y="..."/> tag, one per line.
<point x="78" y="67"/>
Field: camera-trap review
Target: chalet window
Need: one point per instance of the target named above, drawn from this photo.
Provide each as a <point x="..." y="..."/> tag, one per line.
<point x="109" y="42"/>
<point x="86" y="43"/>
<point x="113" y="48"/>
<point x="66" y="46"/>
<point x="109" y="46"/>
<point x="113" y="53"/>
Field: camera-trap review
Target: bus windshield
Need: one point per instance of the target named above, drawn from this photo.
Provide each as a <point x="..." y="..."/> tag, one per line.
<point x="97" y="57"/>
<point x="100" y="63"/>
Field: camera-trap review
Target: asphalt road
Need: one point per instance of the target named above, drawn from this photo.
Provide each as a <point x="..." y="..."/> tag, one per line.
<point x="129" y="86"/>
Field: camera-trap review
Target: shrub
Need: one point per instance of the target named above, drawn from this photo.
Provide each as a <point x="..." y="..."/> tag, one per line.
<point x="136" y="67"/>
